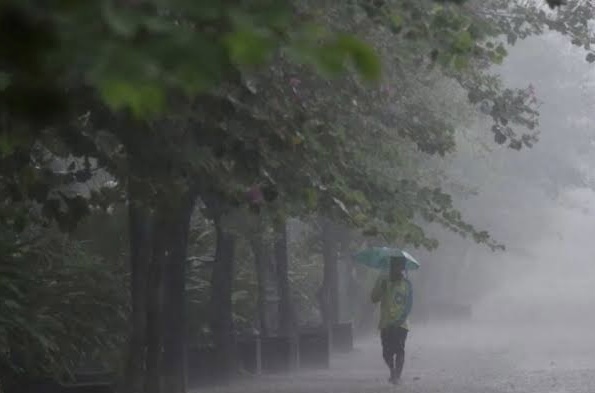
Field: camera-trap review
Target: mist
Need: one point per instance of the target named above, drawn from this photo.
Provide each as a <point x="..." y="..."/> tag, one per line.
<point x="541" y="200"/>
<point x="297" y="196"/>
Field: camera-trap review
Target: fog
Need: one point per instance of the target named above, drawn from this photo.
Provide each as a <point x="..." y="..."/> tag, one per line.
<point x="218" y="196"/>
<point x="553" y="285"/>
<point x="532" y="318"/>
<point x="532" y="305"/>
<point x="539" y="202"/>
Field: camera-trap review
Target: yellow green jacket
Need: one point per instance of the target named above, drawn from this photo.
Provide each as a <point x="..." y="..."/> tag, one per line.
<point x="395" y="301"/>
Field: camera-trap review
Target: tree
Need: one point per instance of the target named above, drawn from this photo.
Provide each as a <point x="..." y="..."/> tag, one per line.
<point x="61" y="304"/>
<point x="344" y="184"/>
<point x="118" y="65"/>
<point x="221" y="301"/>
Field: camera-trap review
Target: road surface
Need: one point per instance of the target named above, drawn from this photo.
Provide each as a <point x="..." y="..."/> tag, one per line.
<point x="455" y="359"/>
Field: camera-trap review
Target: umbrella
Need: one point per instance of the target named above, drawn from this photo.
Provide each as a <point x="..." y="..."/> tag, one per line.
<point x="379" y="258"/>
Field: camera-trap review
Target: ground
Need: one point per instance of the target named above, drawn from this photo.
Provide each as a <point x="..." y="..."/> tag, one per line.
<point x="455" y="358"/>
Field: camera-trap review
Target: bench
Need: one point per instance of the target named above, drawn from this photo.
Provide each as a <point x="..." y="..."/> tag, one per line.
<point x="314" y="348"/>
<point x="277" y="354"/>
<point x="342" y="337"/>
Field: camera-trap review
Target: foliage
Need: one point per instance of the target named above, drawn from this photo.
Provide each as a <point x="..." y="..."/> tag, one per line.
<point x="143" y="50"/>
<point x="521" y="19"/>
<point x="306" y="271"/>
<point x="463" y="43"/>
<point x="60" y="304"/>
<point x="346" y="153"/>
<point x="133" y="52"/>
<point x="252" y="142"/>
<point x="222" y="96"/>
<point x="198" y="284"/>
<point x="89" y="60"/>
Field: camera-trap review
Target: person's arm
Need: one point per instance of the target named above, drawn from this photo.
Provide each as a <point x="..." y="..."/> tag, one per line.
<point x="378" y="290"/>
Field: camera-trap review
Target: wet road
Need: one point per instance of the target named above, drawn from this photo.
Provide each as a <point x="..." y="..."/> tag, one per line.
<point x="456" y="359"/>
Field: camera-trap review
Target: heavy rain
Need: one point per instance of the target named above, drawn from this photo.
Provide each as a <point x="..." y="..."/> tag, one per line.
<point x="297" y="196"/>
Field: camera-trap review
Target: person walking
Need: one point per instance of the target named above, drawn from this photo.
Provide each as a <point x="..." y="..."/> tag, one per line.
<point x="394" y="293"/>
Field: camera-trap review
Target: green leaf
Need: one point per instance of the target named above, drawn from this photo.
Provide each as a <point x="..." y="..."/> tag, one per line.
<point x="496" y="58"/>
<point x="396" y="23"/>
<point x="248" y="46"/>
<point x="463" y="42"/>
<point x="501" y="50"/>
<point x="143" y="99"/>
<point x="364" y="58"/>
<point x="329" y="59"/>
<point x="460" y="62"/>
<point x="193" y="81"/>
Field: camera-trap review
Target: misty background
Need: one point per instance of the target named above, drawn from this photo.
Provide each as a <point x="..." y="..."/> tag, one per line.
<point x="186" y="186"/>
<point x="539" y="202"/>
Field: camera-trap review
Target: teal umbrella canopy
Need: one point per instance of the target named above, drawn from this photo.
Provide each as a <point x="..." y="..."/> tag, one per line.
<point x="379" y="258"/>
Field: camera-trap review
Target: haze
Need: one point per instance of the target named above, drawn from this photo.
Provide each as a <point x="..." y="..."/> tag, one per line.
<point x="205" y="196"/>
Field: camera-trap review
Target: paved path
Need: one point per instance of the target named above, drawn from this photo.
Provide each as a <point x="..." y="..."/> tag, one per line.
<point x="455" y="359"/>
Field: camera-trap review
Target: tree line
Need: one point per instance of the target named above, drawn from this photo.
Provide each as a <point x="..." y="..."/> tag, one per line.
<point x="232" y="118"/>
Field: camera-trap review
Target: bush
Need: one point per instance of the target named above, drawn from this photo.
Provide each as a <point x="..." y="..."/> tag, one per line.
<point x="60" y="305"/>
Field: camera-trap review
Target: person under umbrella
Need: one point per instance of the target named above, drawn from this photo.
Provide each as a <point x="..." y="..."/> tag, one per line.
<point x="394" y="293"/>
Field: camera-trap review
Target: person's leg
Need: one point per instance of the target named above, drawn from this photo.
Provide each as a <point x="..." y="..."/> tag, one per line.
<point x="400" y="338"/>
<point x="387" y="352"/>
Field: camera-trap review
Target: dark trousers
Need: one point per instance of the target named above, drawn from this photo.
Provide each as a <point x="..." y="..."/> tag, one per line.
<point x="393" y="348"/>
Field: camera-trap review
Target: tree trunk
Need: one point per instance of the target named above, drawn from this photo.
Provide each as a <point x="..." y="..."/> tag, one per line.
<point x="330" y="291"/>
<point x="176" y="221"/>
<point x="140" y="260"/>
<point x="287" y="320"/>
<point x="221" y="303"/>
<point x="158" y="245"/>
<point x="155" y="318"/>
<point x="286" y="312"/>
<point x="261" y="261"/>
